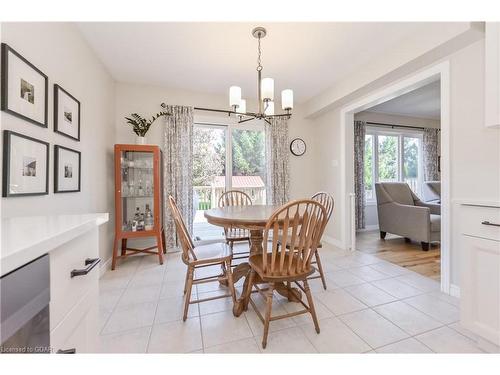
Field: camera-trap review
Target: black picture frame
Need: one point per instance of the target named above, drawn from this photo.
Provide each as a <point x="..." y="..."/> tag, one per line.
<point x="4" y="106"/>
<point x="57" y="148"/>
<point x="6" y="173"/>
<point x="57" y="89"/>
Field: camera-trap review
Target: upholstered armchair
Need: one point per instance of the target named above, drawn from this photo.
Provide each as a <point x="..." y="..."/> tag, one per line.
<point x="402" y="213"/>
<point x="431" y="191"/>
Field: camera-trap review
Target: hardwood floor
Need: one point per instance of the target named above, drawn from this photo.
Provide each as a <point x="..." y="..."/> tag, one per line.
<point x="394" y="249"/>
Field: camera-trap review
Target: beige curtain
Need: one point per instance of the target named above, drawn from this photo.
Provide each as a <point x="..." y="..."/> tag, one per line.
<point x="177" y="169"/>
<point x="359" y="172"/>
<point x="277" y="161"/>
<point x="430" y="146"/>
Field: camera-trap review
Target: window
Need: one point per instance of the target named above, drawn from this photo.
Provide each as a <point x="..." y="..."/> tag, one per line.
<point x="391" y="156"/>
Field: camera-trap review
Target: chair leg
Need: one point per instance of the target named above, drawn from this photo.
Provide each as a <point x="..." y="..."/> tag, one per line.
<point x="187" y="297"/>
<point x="320" y="269"/>
<point x="382" y="235"/>
<point x="425" y="246"/>
<point x="124" y="246"/>
<point x="230" y="283"/>
<point x="310" y="302"/>
<point x="269" y="307"/>
<point x="160" y="248"/>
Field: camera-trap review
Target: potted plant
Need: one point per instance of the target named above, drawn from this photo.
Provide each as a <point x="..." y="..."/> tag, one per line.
<point x="140" y="125"/>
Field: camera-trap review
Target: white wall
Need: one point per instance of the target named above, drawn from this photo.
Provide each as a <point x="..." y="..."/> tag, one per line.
<point x="371" y="217"/>
<point x="59" y="51"/>
<point x="474" y="151"/>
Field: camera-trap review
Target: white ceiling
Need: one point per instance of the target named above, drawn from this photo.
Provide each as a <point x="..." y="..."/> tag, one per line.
<point x="210" y="57"/>
<point x="424" y="102"/>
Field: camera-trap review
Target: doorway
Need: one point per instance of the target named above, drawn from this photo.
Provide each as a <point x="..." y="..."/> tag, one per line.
<point x="440" y="73"/>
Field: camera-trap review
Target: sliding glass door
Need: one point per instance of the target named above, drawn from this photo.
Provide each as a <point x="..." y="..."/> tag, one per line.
<point x="225" y="157"/>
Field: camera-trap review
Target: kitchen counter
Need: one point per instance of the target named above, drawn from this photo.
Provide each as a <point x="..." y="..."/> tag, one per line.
<point x="26" y="238"/>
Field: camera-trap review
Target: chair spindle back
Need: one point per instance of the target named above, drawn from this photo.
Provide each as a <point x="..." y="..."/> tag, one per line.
<point x="235" y="198"/>
<point x="182" y="233"/>
<point x="300" y="224"/>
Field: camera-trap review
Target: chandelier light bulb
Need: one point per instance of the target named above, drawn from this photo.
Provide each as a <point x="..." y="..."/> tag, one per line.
<point x="234" y="96"/>
<point x="243" y="106"/>
<point x="287" y="99"/>
<point x="267" y="89"/>
<point x="269" y="111"/>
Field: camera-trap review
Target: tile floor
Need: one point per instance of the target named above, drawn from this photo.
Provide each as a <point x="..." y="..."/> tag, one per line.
<point x="370" y="306"/>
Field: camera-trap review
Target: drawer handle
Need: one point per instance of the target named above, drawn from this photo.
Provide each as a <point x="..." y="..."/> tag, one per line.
<point x="66" y="351"/>
<point x="90" y="263"/>
<point x="492" y="224"/>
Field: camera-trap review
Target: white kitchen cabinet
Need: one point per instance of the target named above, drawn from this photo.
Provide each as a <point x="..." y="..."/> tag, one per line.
<point x="480" y="270"/>
<point x="492" y="74"/>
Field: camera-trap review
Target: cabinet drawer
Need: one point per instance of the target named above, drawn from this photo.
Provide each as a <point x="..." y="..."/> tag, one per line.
<point x="66" y="291"/>
<point x="80" y="328"/>
<point x="473" y="217"/>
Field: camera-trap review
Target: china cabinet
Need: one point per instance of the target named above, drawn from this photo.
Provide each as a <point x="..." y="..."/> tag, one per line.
<point x="138" y="200"/>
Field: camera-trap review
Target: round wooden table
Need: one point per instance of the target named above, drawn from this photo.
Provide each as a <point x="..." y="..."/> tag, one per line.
<point x="254" y="219"/>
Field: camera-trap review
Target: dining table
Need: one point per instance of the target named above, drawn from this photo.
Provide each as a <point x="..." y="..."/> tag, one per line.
<point x="252" y="218"/>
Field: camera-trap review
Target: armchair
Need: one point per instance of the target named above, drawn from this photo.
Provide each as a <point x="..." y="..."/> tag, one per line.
<point x="401" y="212"/>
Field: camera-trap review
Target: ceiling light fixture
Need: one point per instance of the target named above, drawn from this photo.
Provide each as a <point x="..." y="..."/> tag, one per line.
<point x="265" y="94"/>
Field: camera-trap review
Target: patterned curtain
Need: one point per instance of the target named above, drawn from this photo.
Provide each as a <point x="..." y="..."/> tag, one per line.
<point x="277" y="159"/>
<point x="177" y="169"/>
<point x="430" y="154"/>
<point x="359" y="172"/>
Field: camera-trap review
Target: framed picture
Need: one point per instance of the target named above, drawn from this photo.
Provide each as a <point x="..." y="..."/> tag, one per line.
<point x="67" y="170"/>
<point x="24" y="88"/>
<point x="66" y="113"/>
<point x="25" y="165"/>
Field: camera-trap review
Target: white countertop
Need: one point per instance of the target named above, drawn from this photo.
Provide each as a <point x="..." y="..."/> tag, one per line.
<point x="27" y="238"/>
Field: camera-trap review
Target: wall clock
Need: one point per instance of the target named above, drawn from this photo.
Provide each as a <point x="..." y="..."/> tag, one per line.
<point x="298" y="147"/>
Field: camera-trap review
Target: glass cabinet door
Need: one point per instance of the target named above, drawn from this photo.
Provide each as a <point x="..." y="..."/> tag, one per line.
<point x="137" y="191"/>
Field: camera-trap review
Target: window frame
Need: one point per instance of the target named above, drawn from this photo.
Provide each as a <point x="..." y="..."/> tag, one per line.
<point x="375" y="132"/>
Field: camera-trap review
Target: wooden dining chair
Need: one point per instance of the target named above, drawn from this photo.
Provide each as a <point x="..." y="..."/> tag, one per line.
<point x="328" y="203"/>
<point x="300" y="224"/>
<point x="196" y="257"/>
<point x="236" y="198"/>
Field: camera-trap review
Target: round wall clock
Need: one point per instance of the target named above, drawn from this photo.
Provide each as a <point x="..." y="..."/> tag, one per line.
<point x="298" y="147"/>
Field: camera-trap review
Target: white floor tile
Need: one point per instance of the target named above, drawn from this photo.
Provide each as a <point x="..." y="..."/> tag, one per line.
<point x="368" y="274"/>
<point x="435" y="307"/>
<point x="340" y="302"/>
<point x="175" y="289"/>
<point x="216" y="305"/>
<point x="321" y="311"/>
<point x="290" y="340"/>
<point x="176" y="337"/>
<point x="130" y="317"/>
<point x="133" y="341"/>
<point x="347" y="261"/>
<point x="407" y="318"/>
<point x="224" y="327"/>
<point x="447" y="340"/>
<point x="397" y="288"/>
<point x="405" y="346"/>
<point x="373" y="328"/>
<point x="140" y="294"/>
<point x="108" y="298"/>
<point x="446" y="298"/>
<point x="344" y="278"/>
<point x="241" y="346"/>
<point x="389" y="269"/>
<point x="481" y="343"/>
<point x="147" y="277"/>
<point x="335" y="337"/>
<point x="420" y="282"/>
<point x="369" y="294"/>
<point x="172" y="309"/>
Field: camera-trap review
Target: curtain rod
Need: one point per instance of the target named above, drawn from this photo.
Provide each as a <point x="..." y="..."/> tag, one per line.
<point x="398" y="126"/>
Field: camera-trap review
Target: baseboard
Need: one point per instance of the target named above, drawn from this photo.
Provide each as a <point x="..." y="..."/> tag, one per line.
<point x="105" y="266"/>
<point x="334" y="242"/>
<point x="454" y="290"/>
<point x="368" y="228"/>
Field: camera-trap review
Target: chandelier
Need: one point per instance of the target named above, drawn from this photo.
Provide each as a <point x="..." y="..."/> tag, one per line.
<point x="265" y="91"/>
